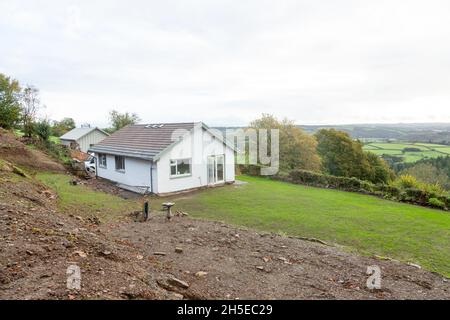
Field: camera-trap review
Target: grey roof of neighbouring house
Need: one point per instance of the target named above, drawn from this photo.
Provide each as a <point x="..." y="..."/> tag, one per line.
<point x="78" y="133"/>
<point x="142" y="140"/>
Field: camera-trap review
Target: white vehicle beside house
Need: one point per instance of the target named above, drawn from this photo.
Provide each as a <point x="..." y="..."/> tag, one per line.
<point x="90" y="164"/>
<point x="165" y="158"/>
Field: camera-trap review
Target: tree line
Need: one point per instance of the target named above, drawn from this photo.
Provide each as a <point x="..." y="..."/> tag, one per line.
<point x="19" y="109"/>
<point x="20" y="106"/>
<point x="328" y="151"/>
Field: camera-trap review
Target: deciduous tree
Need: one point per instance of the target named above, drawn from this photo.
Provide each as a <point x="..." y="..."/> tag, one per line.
<point x="297" y="148"/>
<point x="61" y="127"/>
<point x="342" y="156"/>
<point x="43" y="130"/>
<point x="428" y="173"/>
<point x="30" y="108"/>
<point x="9" y="102"/>
<point x="119" y="120"/>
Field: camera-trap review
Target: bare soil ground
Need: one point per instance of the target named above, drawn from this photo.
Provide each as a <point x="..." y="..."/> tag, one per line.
<point x="38" y="244"/>
<point x="138" y="260"/>
<point x="103" y="185"/>
<point x="244" y="264"/>
<point x="19" y="154"/>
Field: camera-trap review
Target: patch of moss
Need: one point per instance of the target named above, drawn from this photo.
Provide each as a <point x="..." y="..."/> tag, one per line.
<point x="20" y="172"/>
<point x="5" y="166"/>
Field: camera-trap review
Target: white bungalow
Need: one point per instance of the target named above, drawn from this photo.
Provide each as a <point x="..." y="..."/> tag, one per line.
<point x="165" y="158"/>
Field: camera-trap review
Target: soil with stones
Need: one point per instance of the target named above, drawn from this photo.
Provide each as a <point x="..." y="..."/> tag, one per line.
<point x="19" y="154"/>
<point x="38" y="244"/>
<point x="103" y="185"/>
<point x="219" y="261"/>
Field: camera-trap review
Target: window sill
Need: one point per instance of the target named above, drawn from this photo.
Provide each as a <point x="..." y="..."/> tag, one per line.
<point x="180" y="176"/>
<point x="120" y="171"/>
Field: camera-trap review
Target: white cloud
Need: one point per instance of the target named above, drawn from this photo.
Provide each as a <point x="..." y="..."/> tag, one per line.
<point x="227" y="62"/>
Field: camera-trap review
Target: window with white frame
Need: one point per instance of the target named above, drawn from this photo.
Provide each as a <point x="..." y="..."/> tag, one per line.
<point x="180" y="167"/>
<point x="120" y="163"/>
<point x="102" y="161"/>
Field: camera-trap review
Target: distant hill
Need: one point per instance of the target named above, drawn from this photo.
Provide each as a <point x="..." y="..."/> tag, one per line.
<point x="415" y="132"/>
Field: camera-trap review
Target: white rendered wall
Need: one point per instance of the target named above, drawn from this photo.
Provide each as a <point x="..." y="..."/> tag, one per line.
<point x="137" y="172"/>
<point x="197" y="146"/>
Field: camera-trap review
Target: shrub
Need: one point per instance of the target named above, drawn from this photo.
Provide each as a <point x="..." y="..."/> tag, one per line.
<point x="251" y="169"/>
<point x="434" y="202"/>
<point x="416" y="195"/>
<point x="308" y="177"/>
<point x="389" y="190"/>
<point x="328" y="181"/>
<point x="43" y="130"/>
<point x="446" y="200"/>
<point x="406" y="182"/>
<point x="414" y="191"/>
<point x="57" y="151"/>
<point x="433" y="190"/>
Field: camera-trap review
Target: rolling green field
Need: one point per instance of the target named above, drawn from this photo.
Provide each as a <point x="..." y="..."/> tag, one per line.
<point x="425" y="150"/>
<point x="366" y="224"/>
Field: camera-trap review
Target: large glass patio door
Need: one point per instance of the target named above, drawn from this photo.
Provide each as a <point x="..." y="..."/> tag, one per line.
<point x="216" y="169"/>
<point x="211" y="170"/>
<point x="220" y="164"/>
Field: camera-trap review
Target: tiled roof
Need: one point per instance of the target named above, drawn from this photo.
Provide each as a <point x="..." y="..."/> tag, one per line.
<point x="142" y="140"/>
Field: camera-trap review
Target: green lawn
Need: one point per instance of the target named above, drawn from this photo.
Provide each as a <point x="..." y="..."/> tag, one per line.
<point x="83" y="201"/>
<point x="366" y="224"/>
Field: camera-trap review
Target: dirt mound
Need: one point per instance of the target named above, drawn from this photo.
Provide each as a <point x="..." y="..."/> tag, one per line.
<point x="219" y="261"/>
<point x="14" y="151"/>
<point x="38" y="244"/>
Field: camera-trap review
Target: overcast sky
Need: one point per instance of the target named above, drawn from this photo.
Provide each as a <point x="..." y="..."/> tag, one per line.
<point x="226" y="62"/>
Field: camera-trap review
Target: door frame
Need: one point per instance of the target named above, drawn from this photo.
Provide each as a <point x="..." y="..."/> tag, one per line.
<point x="214" y="162"/>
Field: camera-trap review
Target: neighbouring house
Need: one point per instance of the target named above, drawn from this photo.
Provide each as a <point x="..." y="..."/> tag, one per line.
<point x="165" y="158"/>
<point x="83" y="138"/>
